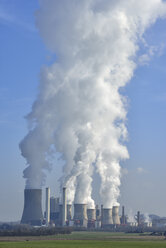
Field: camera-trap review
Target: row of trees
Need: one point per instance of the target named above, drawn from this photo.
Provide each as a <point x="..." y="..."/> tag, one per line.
<point x="25" y="230"/>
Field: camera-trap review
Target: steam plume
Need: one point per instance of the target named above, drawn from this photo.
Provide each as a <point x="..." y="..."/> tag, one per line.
<point x="79" y="111"/>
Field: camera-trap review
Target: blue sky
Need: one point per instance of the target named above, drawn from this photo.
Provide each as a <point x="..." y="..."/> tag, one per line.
<point x="22" y="55"/>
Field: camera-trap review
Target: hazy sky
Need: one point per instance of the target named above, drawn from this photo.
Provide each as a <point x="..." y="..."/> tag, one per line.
<point x="22" y="55"/>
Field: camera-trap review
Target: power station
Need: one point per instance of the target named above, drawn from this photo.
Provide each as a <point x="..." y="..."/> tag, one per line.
<point x="60" y="213"/>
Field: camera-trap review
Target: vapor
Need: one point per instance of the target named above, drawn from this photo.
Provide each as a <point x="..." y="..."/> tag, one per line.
<point x="79" y="111"/>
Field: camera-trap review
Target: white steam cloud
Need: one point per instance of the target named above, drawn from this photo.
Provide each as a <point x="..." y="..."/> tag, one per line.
<point x="79" y="111"/>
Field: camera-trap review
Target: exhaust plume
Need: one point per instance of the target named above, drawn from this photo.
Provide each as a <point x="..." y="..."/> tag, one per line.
<point x="79" y="112"/>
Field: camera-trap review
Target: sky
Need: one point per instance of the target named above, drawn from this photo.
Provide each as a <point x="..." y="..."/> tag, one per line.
<point x="22" y="55"/>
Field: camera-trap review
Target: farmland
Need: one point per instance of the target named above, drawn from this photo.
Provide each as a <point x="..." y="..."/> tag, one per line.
<point x="85" y="240"/>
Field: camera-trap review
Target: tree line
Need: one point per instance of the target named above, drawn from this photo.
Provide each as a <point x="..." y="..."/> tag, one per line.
<point x="26" y="230"/>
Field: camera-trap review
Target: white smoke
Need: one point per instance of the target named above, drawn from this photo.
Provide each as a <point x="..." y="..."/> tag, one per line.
<point x="131" y="217"/>
<point x="79" y="111"/>
<point x="147" y="219"/>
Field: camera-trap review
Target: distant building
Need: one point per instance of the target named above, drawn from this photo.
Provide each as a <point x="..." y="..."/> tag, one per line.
<point x="161" y="222"/>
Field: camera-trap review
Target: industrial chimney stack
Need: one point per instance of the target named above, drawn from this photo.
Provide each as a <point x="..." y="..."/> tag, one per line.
<point x="123" y="216"/>
<point x="138" y="218"/>
<point x="64" y="208"/>
<point x="47" y="206"/>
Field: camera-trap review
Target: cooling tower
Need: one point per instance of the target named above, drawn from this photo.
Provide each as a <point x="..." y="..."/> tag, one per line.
<point x="69" y="212"/>
<point x="47" y="206"/>
<point x="64" y="210"/>
<point x="91" y="213"/>
<point x="115" y="215"/>
<point x="107" y="216"/>
<point x="80" y="212"/>
<point x="54" y="205"/>
<point x="32" y="213"/>
<point x="54" y="210"/>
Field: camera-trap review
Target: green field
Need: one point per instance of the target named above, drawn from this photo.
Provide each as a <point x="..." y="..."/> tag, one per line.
<point x="83" y="243"/>
<point x="85" y="240"/>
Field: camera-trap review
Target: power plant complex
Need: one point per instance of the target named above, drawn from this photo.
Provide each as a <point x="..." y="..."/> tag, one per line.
<point x="60" y="213"/>
<point x="64" y="214"/>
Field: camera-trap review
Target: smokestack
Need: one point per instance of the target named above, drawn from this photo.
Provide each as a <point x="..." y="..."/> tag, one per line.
<point x="80" y="212"/>
<point x="107" y="216"/>
<point x="91" y="213"/>
<point x="138" y="218"/>
<point x="64" y="210"/>
<point x="97" y="213"/>
<point x="123" y="215"/>
<point x="60" y="214"/>
<point x="115" y="215"/>
<point x="47" y="206"/>
<point x="69" y="212"/>
<point x="32" y="213"/>
<point x="101" y="212"/>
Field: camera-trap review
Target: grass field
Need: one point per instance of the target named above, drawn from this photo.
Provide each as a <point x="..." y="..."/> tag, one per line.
<point x="85" y="240"/>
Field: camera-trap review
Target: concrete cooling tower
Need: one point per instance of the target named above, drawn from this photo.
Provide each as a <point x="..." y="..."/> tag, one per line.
<point x="91" y="214"/>
<point x="80" y="214"/>
<point x="107" y="216"/>
<point x="115" y="215"/>
<point x="32" y="213"/>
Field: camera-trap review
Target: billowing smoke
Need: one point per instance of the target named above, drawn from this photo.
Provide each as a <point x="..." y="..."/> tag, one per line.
<point x="79" y="112"/>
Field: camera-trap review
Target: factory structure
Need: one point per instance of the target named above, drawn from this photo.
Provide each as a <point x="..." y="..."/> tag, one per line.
<point x="63" y="214"/>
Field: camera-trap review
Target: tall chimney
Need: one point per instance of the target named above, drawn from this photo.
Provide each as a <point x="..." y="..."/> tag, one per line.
<point x="32" y="213"/>
<point x="64" y="211"/>
<point x="60" y="219"/>
<point x="47" y="206"/>
<point x="107" y="216"/>
<point x="97" y="213"/>
<point x="115" y="215"/>
<point x="138" y="218"/>
<point x="101" y="212"/>
<point x="123" y="215"/>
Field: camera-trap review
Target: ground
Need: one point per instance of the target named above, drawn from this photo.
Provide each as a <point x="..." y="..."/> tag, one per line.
<point x="85" y="240"/>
